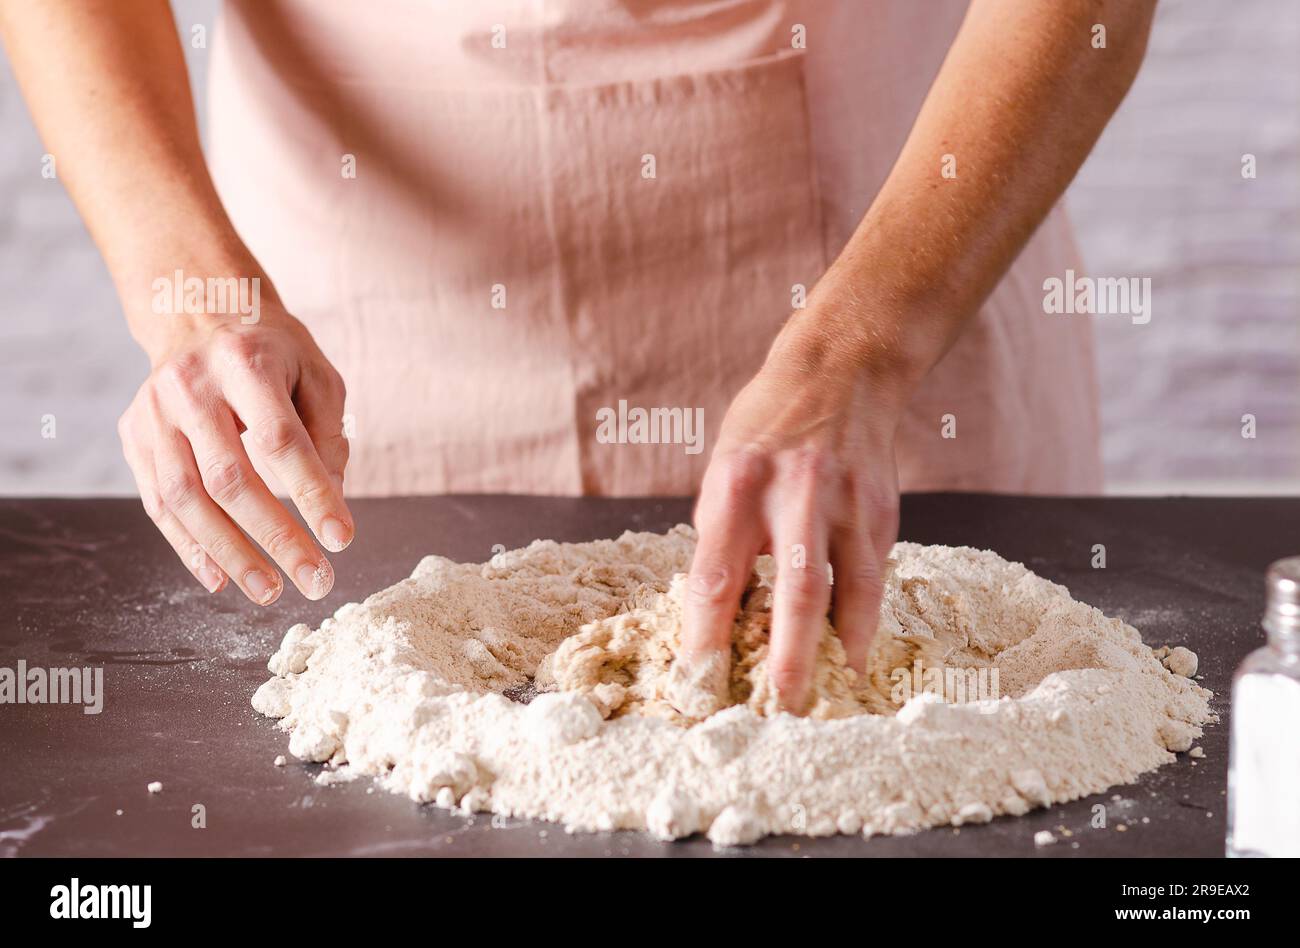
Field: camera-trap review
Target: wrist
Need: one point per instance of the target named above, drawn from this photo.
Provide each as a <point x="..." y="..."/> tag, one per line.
<point x="851" y="351"/>
<point x="171" y="305"/>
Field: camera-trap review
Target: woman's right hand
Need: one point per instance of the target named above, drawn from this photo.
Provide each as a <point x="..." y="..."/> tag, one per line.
<point x="109" y="92"/>
<point x="212" y="380"/>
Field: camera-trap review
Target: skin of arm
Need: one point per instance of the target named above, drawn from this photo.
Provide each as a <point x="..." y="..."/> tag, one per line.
<point x="106" y="84"/>
<point x="805" y="461"/>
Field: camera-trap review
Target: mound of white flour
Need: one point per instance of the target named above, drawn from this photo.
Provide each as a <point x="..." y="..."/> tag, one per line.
<point x="411" y="687"/>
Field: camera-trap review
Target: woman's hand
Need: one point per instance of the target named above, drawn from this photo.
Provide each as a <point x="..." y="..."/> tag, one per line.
<point x="804" y="469"/>
<point x="805" y="456"/>
<point x="212" y="379"/>
<point x="109" y="91"/>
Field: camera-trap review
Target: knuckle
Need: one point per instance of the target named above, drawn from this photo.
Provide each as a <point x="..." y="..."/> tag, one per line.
<point x="880" y="506"/>
<point x="713" y="584"/>
<point x="870" y="493"/>
<point x="314" y="494"/>
<point x="224" y="479"/>
<point x="806" y="588"/>
<point x="181" y="373"/>
<point x="861" y="576"/>
<point x="279" y="539"/>
<point x="744" y="472"/>
<point x="238" y="349"/>
<point x="276" y="435"/>
<point x="222" y="548"/>
<point x="812" y="464"/>
<point x="177" y="488"/>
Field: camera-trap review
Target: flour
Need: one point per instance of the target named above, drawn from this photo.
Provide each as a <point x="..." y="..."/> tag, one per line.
<point x="411" y="687"/>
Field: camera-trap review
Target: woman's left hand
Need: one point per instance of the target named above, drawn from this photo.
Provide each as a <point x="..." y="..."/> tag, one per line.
<point x="804" y="469"/>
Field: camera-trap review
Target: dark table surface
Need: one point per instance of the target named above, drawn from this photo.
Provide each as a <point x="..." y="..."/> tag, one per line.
<point x="88" y="582"/>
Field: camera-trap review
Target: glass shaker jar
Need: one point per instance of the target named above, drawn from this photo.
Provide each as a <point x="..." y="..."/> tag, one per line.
<point x="1264" y="758"/>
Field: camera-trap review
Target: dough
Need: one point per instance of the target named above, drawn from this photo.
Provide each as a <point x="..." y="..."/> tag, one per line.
<point x="627" y="664"/>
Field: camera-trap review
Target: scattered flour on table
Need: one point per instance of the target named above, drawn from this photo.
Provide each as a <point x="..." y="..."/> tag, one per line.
<point x="415" y="686"/>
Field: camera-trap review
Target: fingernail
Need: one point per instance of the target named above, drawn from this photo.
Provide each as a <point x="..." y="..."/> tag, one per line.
<point x="785" y="702"/>
<point x="315" y="581"/>
<point x="263" y="588"/>
<point x="334" y="534"/>
<point x="211" y="577"/>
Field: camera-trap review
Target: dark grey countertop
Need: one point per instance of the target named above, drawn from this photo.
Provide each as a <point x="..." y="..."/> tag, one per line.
<point x="89" y="582"/>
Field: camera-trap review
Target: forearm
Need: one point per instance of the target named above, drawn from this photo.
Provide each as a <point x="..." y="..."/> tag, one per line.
<point x="1018" y="104"/>
<point x="106" y="84"/>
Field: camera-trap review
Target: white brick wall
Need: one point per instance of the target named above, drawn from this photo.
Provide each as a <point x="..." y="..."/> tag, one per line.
<point x="1161" y="197"/>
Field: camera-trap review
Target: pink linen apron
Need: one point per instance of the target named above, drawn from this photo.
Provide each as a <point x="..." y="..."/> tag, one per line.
<point x="505" y="221"/>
